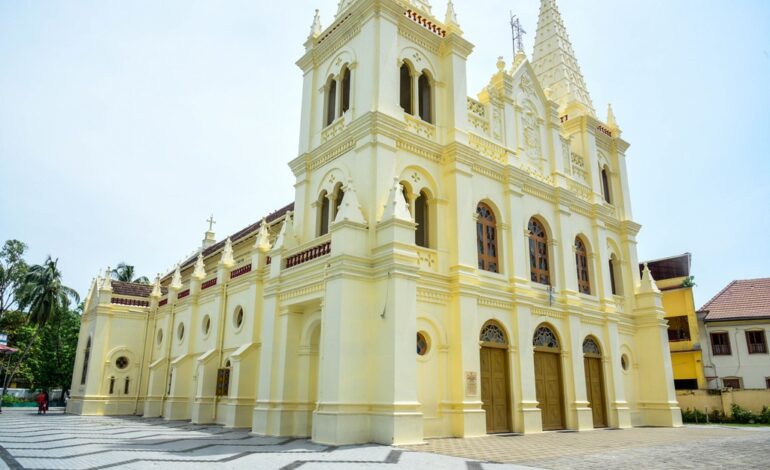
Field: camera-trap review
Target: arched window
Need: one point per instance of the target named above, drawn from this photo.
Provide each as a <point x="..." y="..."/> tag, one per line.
<point x="405" y="78"/>
<point x="223" y="380"/>
<point x="538" y="253"/>
<point x="486" y="238"/>
<point x="86" y="357"/>
<point x="126" y="386"/>
<point x="112" y="385"/>
<point x="606" y="185"/>
<point x="590" y="346"/>
<point x="544" y="337"/>
<point x="581" y="260"/>
<point x="331" y="102"/>
<point x="492" y="333"/>
<point x="425" y="98"/>
<point x="323" y="215"/>
<point x="345" y="106"/>
<point x="615" y="279"/>
<point x="421" y="218"/>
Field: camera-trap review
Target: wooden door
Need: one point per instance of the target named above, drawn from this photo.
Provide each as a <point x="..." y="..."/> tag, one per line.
<point x="595" y="389"/>
<point x="495" y="394"/>
<point x="549" y="390"/>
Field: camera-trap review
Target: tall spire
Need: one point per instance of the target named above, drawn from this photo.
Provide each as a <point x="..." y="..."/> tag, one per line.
<point x="554" y="61"/>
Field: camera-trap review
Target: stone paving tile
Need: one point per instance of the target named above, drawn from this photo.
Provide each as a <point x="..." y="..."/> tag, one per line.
<point x="647" y="448"/>
<point x="91" y="443"/>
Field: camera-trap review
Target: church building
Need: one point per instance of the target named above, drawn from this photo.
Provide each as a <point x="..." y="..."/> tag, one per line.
<point x="450" y="265"/>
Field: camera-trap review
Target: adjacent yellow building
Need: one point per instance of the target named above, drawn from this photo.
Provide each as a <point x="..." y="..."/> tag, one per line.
<point x="450" y="265"/>
<point x="673" y="278"/>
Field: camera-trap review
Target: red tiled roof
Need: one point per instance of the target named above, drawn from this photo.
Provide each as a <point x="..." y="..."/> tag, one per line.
<point x="745" y="299"/>
<point x="133" y="289"/>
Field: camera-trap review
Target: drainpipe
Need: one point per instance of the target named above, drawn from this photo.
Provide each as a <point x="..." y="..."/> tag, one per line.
<point x="154" y="309"/>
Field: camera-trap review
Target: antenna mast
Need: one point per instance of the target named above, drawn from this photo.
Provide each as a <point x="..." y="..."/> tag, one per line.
<point x="517" y="33"/>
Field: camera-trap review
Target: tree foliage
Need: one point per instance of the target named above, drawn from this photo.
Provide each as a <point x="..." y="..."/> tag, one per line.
<point x="125" y="272"/>
<point x="13" y="268"/>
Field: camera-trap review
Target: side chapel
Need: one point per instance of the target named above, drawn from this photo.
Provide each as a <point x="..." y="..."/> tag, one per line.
<point x="450" y="266"/>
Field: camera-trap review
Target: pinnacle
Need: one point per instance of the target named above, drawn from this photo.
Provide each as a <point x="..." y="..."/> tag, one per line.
<point x="554" y="61"/>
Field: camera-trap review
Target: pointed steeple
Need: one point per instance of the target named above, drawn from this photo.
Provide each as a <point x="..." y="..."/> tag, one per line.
<point x="107" y="284"/>
<point x="350" y="209"/>
<point x="555" y="64"/>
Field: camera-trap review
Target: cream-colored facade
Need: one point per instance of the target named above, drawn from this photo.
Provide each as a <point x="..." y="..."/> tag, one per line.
<point x="396" y="299"/>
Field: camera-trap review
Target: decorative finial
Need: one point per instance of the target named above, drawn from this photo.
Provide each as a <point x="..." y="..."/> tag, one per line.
<point x="263" y="237"/>
<point x="211" y="222"/>
<point x="107" y="283"/>
<point x="611" y="117"/>
<point x="450" y="20"/>
<point x="286" y="237"/>
<point x="350" y="209"/>
<point x="500" y="64"/>
<point x="156" y="292"/>
<point x="648" y="283"/>
<point x="176" y="279"/>
<point x="315" y="28"/>
<point x="199" y="272"/>
<point x="396" y="207"/>
<point x="227" y="253"/>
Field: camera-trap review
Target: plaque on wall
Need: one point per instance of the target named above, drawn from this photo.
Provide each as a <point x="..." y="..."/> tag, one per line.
<point x="471" y="383"/>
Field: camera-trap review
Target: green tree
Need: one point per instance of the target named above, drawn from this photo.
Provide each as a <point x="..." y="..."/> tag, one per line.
<point x="15" y="325"/>
<point x="125" y="272"/>
<point x="43" y="296"/>
<point x="52" y="361"/>
<point x="12" y="271"/>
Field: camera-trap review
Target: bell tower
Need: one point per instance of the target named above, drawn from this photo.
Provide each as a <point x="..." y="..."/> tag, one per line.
<point x="384" y="88"/>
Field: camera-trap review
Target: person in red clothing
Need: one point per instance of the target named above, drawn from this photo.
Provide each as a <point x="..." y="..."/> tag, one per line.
<point x="40" y="399"/>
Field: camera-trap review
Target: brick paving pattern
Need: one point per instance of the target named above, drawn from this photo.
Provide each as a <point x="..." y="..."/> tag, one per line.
<point x="702" y="447"/>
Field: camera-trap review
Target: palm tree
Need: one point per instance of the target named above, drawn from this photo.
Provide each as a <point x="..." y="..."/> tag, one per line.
<point x="125" y="272"/>
<point x="43" y="296"/>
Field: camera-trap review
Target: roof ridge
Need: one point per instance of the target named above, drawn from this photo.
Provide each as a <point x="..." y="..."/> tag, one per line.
<point x="753" y="279"/>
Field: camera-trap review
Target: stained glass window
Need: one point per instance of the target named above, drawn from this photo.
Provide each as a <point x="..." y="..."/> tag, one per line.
<point x="590" y="347"/>
<point x="486" y="238"/>
<point x="538" y="253"/>
<point x="492" y="334"/>
<point x="545" y="338"/>
<point x="422" y="344"/>
<point x="121" y="362"/>
<point x="581" y="260"/>
<point x="86" y="357"/>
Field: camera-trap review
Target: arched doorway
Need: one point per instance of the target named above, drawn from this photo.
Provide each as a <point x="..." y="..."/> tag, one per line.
<point x="592" y="363"/>
<point x="548" y="383"/>
<point x="495" y="390"/>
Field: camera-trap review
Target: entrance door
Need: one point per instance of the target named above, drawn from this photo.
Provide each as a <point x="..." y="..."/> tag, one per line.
<point x="494" y="389"/>
<point x="595" y="388"/>
<point x="548" y="389"/>
<point x="592" y="363"/>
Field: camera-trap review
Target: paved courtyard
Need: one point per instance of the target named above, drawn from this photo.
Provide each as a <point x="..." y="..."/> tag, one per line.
<point x="61" y="441"/>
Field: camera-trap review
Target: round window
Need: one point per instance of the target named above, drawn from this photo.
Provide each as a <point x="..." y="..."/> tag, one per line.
<point x="624" y="362"/>
<point x="160" y="336"/>
<point x="206" y="324"/>
<point x="238" y="318"/>
<point x="121" y="362"/>
<point x="180" y="331"/>
<point x="422" y="344"/>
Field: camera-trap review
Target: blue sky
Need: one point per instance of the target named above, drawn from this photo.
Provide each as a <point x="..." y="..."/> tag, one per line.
<point x="123" y="125"/>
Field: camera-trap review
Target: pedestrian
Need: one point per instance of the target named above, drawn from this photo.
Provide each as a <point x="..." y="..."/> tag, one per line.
<point x="45" y="394"/>
<point x="40" y="399"/>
